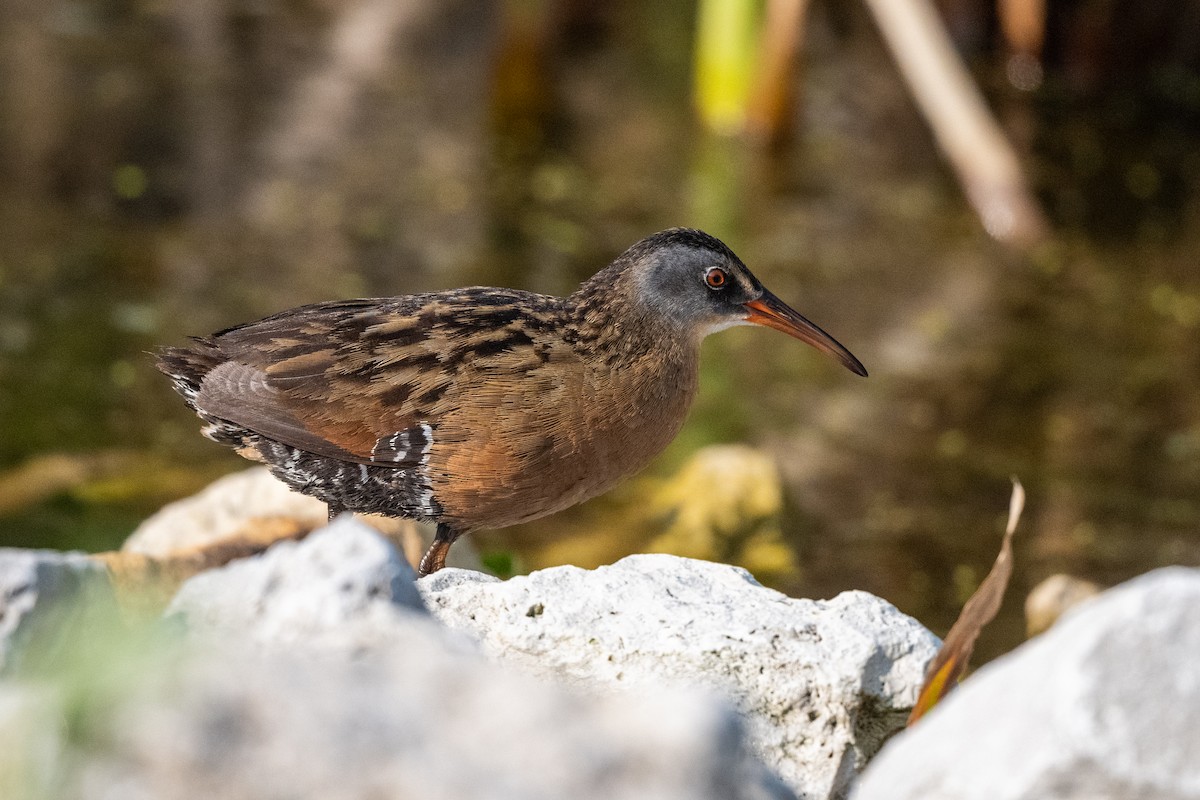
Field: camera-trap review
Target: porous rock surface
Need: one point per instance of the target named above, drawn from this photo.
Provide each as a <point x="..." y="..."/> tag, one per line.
<point x="317" y="670"/>
<point x="320" y="590"/>
<point x="415" y="711"/>
<point x="821" y="684"/>
<point x="1103" y="706"/>
<point x="419" y="719"/>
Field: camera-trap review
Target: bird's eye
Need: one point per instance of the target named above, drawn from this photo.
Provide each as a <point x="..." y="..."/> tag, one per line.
<point x="716" y="278"/>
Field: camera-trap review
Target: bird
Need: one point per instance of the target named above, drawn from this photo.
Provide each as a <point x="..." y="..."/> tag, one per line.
<point x="479" y="408"/>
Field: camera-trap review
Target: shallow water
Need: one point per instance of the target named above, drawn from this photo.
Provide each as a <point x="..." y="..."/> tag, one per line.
<point x="1074" y="367"/>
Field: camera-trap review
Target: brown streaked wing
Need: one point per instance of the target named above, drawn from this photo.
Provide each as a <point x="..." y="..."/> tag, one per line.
<point x="286" y="378"/>
<point x="241" y="394"/>
<point x="340" y="379"/>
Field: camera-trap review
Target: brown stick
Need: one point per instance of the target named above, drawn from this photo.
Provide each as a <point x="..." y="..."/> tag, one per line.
<point x="968" y="134"/>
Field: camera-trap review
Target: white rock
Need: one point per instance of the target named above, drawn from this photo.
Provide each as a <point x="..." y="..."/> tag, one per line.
<point x="41" y="593"/>
<point x="1103" y="706"/>
<point x="417" y="720"/>
<point x="413" y="713"/>
<point x="223" y="507"/>
<point x="316" y="591"/>
<point x="821" y="684"/>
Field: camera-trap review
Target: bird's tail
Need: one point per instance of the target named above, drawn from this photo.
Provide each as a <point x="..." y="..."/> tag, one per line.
<point x="187" y="366"/>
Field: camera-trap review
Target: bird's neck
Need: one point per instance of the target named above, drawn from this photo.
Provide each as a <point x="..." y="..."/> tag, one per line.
<point x="607" y="320"/>
<point x="642" y="375"/>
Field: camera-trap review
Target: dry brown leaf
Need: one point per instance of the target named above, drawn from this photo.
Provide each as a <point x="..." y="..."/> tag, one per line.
<point x="947" y="668"/>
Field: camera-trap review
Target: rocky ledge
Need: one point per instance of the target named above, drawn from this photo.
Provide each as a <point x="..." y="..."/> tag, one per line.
<point x="816" y="686"/>
<point x="324" y="668"/>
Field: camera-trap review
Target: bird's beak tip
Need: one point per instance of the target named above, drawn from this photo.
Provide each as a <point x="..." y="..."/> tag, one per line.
<point x="772" y="312"/>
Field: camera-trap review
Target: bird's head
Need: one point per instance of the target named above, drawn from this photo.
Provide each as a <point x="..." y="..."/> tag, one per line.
<point x="695" y="281"/>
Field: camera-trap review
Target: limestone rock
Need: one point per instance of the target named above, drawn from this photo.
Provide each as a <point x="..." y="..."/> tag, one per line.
<point x="221" y="510"/>
<point x="820" y="683"/>
<point x="1103" y="706"/>
<point x="420" y="719"/>
<point x="319" y="589"/>
<point x="396" y="708"/>
<point x="41" y="593"/>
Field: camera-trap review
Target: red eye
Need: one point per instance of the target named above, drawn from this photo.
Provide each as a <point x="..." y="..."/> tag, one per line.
<point x="716" y="278"/>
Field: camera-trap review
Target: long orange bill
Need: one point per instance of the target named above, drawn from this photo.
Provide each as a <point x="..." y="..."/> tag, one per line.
<point x="772" y="312"/>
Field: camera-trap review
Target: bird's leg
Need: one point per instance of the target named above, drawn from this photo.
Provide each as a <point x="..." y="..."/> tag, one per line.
<point x="435" y="558"/>
<point x="334" y="510"/>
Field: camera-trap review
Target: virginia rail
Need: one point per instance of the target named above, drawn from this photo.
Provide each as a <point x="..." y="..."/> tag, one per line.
<point x="479" y="408"/>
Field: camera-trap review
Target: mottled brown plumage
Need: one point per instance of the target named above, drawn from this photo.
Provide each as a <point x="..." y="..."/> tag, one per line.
<point x="481" y="407"/>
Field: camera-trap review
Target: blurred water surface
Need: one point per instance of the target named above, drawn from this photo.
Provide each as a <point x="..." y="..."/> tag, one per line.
<point x="173" y="169"/>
